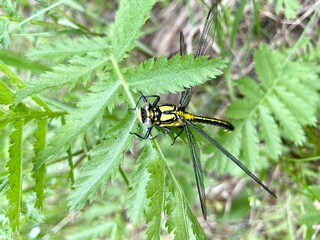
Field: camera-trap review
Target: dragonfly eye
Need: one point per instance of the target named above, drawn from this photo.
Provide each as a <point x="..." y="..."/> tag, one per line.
<point x="148" y="122"/>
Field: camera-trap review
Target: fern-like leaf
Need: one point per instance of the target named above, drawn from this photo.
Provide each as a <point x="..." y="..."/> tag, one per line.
<point x="78" y="121"/>
<point x="104" y="163"/>
<point x="269" y="131"/>
<point x="65" y="48"/>
<point x="129" y="19"/>
<point x="27" y="115"/>
<point x="6" y="96"/>
<point x="14" y="165"/>
<point x="180" y="218"/>
<point x="274" y="104"/>
<point x="79" y="68"/>
<point x="137" y="199"/>
<point x="39" y="174"/>
<point x="155" y="194"/>
<point x="162" y="75"/>
<point x="287" y="121"/>
<point x="250" y="144"/>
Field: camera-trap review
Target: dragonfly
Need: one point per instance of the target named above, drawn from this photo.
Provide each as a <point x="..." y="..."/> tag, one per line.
<point x="168" y="116"/>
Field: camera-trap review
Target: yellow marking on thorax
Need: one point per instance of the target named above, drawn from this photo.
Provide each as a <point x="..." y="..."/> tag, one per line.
<point x="185" y="115"/>
<point x="167" y="108"/>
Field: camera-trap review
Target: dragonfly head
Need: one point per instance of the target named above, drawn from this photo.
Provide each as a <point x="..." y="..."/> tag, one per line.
<point x="144" y="115"/>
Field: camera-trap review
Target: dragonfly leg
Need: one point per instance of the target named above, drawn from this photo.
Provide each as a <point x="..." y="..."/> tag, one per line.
<point x="145" y="136"/>
<point x="144" y="99"/>
<point x="174" y="140"/>
<point x="168" y="131"/>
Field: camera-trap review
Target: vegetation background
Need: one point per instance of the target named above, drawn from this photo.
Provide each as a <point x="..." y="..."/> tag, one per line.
<point x="71" y="69"/>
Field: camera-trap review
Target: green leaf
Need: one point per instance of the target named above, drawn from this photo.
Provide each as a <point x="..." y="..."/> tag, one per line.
<point x="287" y="121"/>
<point x="39" y="174"/>
<point x="156" y="195"/>
<point x="268" y="66"/>
<point x="19" y="61"/>
<point x="79" y="68"/>
<point x="302" y="112"/>
<point x="239" y="109"/>
<point x="310" y="218"/>
<point x="250" y="144"/>
<point x="289" y="7"/>
<point x="274" y="104"/>
<point x="104" y="163"/>
<point x="181" y="220"/>
<point x="65" y="48"/>
<point x="14" y="165"/>
<point x="6" y="96"/>
<point x="156" y="76"/>
<point x="28" y="115"/>
<point x="130" y="17"/>
<point x="137" y="198"/>
<point x="78" y="121"/>
<point x="250" y="89"/>
<point x="269" y="131"/>
<point x="231" y="141"/>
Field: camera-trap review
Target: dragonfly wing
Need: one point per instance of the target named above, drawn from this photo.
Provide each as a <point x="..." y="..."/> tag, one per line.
<point x="206" y="40"/>
<point x="183" y="49"/>
<point x="187" y="93"/>
<point x="195" y="155"/>
<point x="209" y="29"/>
<point x="231" y="157"/>
<point x="186" y="97"/>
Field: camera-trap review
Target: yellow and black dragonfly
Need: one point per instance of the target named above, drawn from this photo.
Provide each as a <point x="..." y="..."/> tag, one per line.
<point x="168" y="115"/>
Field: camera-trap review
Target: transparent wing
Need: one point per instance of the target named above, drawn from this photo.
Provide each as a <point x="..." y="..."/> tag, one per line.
<point x="230" y="156"/>
<point x="206" y="40"/>
<point x="182" y="45"/>
<point x="209" y="30"/>
<point x="195" y="155"/>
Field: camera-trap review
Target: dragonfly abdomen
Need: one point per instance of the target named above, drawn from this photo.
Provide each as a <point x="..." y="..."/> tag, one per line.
<point x="207" y="120"/>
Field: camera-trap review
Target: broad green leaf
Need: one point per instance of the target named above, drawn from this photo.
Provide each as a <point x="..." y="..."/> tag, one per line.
<point x="269" y="131"/>
<point x="39" y="174"/>
<point x="156" y="195"/>
<point x="14" y="165"/>
<point x="137" y="198"/>
<point x="156" y="76"/>
<point x="89" y="110"/>
<point x="129" y="19"/>
<point x="104" y="163"/>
